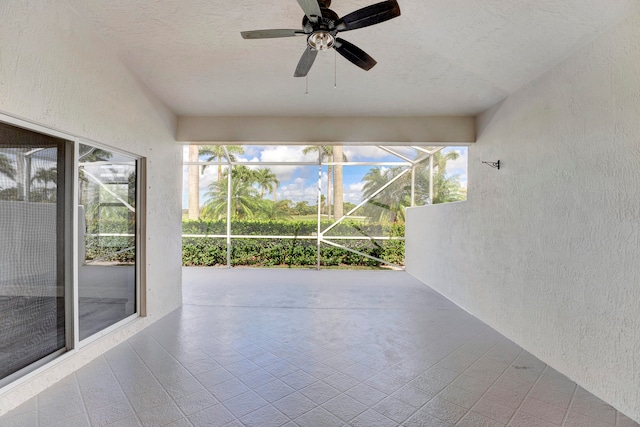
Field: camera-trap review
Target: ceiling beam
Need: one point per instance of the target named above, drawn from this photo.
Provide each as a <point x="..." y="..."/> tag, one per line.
<point x="452" y="130"/>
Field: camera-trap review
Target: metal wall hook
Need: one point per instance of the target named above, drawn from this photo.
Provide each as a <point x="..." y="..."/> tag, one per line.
<point x="495" y="165"/>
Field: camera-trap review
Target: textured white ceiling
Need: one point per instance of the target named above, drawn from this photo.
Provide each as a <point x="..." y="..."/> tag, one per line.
<point x="441" y="57"/>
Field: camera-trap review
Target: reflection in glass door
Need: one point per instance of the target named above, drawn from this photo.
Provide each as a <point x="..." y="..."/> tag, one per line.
<point x="107" y="240"/>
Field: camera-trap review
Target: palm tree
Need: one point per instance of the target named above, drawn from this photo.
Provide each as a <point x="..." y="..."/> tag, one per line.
<point x="45" y="176"/>
<point x="373" y="180"/>
<point x="88" y="195"/>
<point x="440" y="160"/>
<point x="276" y="210"/>
<point x="388" y="205"/>
<point x="267" y="181"/>
<point x="242" y="173"/>
<point x="193" y="182"/>
<point x="445" y="188"/>
<point x="89" y="154"/>
<point x="338" y="193"/>
<point x="328" y="153"/>
<point x="244" y="200"/>
<point x="6" y="167"/>
<point x="214" y="152"/>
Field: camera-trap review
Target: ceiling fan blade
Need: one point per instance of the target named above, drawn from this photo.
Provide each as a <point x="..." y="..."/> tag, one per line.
<point x="310" y="8"/>
<point x="305" y="63"/>
<point x="369" y="15"/>
<point x="354" y="54"/>
<point x="270" y="34"/>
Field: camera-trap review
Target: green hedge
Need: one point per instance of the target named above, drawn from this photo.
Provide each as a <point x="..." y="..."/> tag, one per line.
<point x="100" y="246"/>
<point x="287" y="252"/>
<point x="290" y="228"/>
<point x="210" y="251"/>
<point x="291" y="252"/>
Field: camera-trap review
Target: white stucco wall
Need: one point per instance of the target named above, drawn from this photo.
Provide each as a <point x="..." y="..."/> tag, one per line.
<point x="55" y="71"/>
<point x="345" y="130"/>
<point x="547" y="249"/>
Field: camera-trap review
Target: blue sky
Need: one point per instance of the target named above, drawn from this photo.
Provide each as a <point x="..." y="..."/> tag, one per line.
<point x="298" y="183"/>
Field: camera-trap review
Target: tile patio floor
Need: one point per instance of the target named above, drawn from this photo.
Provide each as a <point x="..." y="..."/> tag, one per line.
<point x="313" y="349"/>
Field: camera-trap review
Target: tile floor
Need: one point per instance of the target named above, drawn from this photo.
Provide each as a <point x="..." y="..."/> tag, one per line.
<point x="312" y="349"/>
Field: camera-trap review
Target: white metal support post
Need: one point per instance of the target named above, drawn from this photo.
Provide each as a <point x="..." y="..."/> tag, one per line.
<point x="318" y="232"/>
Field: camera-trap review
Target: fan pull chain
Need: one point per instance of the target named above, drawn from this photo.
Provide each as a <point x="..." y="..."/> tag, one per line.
<point x="306" y="91"/>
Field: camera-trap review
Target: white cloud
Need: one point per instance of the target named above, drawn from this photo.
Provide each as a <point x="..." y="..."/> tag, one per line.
<point x="353" y="193"/>
<point x="365" y="153"/>
<point x="279" y="153"/>
<point x="459" y="165"/>
<point x="287" y="153"/>
<point x="357" y="186"/>
<point x="298" y="190"/>
<point x="240" y="158"/>
<point x="250" y="150"/>
<point x="210" y="175"/>
<point x="324" y="177"/>
<point x="284" y="173"/>
<point x="405" y="151"/>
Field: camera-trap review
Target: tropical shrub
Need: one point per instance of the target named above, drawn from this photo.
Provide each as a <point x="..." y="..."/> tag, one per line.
<point x="267" y="252"/>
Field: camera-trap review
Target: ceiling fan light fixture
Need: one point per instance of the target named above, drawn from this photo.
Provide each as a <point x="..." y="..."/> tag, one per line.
<point x="321" y="40"/>
<point x="321" y="25"/>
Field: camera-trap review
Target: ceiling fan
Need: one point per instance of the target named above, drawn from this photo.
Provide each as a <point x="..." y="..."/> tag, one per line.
<point x="321" y="25"/>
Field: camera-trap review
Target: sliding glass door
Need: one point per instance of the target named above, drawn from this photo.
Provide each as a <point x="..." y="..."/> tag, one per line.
<point x="33" y="300"/>
<point x="50" y="301"/>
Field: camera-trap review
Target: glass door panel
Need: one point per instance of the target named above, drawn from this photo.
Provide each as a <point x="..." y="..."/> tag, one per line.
<point x="32" y="246"/>
<point x="107" y="246"/>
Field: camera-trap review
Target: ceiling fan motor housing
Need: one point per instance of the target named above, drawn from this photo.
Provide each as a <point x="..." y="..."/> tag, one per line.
<point x="322" y="32"/>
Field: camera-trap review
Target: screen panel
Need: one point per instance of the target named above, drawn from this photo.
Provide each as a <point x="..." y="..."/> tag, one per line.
<point x="32" y="283"/>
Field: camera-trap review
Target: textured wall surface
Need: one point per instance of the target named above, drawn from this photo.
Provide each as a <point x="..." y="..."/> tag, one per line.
<point x="303" y="130"/>
<point x="546" y="249"/>
<point x="56" y="72"/>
